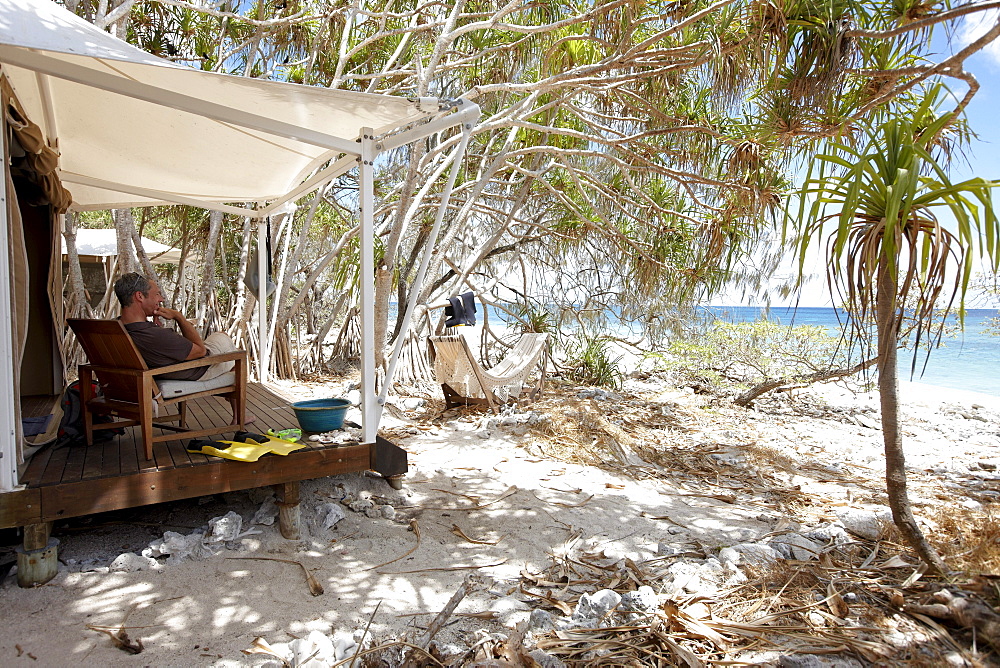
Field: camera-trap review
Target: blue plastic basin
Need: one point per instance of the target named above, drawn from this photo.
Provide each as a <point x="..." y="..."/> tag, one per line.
<point x="317" y="415"/>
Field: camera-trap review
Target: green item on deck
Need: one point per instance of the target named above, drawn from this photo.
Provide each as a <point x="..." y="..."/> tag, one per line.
<point x="291" y="434"/>
<point x="278" y="446"/>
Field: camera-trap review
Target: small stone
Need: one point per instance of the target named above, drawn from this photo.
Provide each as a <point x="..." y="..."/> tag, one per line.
<point x="545" y="660"/>
<point x="799" y="547"/>
<point x="667" y="549"/>
<point x="266" y="513"/>
<point x="388" y="512"/>
<point x="329" y="514"/>
<point x="540" y="620"/>
<point x="224" y="529"/>
<point x="361" y="505"/>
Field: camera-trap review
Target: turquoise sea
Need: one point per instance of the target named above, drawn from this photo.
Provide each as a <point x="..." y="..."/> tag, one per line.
<point x="969" y="361"/>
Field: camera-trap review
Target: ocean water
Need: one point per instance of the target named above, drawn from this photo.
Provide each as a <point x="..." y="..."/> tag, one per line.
<point x="969" y="361"/>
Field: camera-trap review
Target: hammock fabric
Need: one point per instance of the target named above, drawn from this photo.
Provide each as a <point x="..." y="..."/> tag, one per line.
<point x="465" y="381"/>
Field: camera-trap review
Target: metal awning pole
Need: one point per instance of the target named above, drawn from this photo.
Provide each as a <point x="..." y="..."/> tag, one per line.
<point x="8" y="434"/>
<point x="366" y="202"/>
<point x="263" y="351"/>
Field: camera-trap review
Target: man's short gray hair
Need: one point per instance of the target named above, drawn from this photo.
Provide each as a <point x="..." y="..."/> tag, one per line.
<point x="128" y="285"/>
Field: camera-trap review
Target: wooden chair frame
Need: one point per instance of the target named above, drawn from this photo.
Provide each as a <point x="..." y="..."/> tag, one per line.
<point x="453" y="398"/>
<point x="134" y="379"/>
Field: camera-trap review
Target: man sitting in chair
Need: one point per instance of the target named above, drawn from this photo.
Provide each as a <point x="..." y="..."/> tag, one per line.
<point x="141" y="299"/>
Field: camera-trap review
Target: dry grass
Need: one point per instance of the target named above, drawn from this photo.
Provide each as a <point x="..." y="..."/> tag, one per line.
<point x="968" y="540"/>
<point x="847" y="603"/>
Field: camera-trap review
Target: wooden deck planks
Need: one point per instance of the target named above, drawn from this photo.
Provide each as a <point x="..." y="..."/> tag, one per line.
<point x="68" y="481"/>
<point x="124" y="455"/>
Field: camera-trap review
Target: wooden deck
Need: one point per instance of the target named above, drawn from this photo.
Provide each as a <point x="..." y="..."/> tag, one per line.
<point x="81" y="480"/>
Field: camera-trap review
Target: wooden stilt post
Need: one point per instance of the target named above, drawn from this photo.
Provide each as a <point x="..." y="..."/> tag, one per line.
<point x="289" y="515"/>
<point x="37" y="561"/>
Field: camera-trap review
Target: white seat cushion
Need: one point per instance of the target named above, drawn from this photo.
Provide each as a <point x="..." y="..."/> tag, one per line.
<point x="171" y="389"/>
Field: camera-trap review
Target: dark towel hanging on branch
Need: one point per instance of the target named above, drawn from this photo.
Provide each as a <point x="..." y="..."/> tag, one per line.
<point x="461" y="310"/>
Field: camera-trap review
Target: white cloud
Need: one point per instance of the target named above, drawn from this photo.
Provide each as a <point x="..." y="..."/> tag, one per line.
<point x="975" y="26"/>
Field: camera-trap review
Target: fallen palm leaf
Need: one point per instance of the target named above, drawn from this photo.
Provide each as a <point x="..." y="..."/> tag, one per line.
<point x="416" y="530"/>
<point x="547" y="597"/>
<point x="455" y="529"/>
<point x="446" y="568"/>
<point x="474" y="499"/>
<point x="895" y="562"/>
<point x="120" y="639"/>
<point x="315" y="588"/>
<point x="512" y="490"/>
<point x="567" y="491"/>
<point x="260" y="646"/>
<point x="573" y="505"/>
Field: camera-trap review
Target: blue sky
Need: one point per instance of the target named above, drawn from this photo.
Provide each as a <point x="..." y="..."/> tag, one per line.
<point x="982" y="157"/>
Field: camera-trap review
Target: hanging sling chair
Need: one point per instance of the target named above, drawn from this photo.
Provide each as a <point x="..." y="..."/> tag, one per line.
<point x="465" y="381"/>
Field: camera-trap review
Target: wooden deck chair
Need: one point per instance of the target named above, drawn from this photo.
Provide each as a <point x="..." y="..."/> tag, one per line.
<point x="132" y="392"/>
<point x="464" y="381"/>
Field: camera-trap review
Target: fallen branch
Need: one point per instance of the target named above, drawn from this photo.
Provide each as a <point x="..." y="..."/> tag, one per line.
<point x="471" y="583"/>
<point x="802" y="380"/>
<point x="315" y="588"/>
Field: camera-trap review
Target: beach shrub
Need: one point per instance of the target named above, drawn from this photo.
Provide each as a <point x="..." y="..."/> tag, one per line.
<point x="734" y="358"/>
<point x="589" y="361"/>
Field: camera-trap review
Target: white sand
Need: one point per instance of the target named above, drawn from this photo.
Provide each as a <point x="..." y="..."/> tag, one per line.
<point x="205" y="612"/>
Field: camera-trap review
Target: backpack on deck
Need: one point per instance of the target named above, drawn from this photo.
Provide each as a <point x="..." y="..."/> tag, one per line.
<point x="71" y="427"/>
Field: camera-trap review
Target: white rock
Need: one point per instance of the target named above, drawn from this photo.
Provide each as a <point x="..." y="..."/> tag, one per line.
<point x="130" y="563"/>
<point x="799" y="547"/>
<point x="412" y="403"/>
<point x="328" y="514"/>
<point x="224" y="529"/>
<point x="642" y="599"/>
<point x="866" y="523"/>
<point x="755" y="554"/>
<point x="354" y="396"/>
<point x="540" y="620"/>
<point x="597" y="605"/>
<point x="266" y="514"/>
<point x="388" y="512"/>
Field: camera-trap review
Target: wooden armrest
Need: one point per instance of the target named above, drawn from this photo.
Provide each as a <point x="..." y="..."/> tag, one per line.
<point x="208" y="360"/>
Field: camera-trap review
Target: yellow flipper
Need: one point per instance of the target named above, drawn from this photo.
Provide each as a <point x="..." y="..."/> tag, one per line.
<point x="240" y="452"/>
<point x="278" y="446"/>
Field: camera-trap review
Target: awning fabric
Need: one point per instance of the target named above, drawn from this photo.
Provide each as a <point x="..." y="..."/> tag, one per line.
<point x="133" y="129"/>
<point x="104" y="243"/>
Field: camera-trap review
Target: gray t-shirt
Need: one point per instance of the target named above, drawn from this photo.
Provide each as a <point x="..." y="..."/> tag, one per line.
<point x="160" y="346"/>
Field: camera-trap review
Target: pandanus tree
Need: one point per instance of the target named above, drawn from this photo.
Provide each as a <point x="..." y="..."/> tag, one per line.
<point x="890" y="256"/>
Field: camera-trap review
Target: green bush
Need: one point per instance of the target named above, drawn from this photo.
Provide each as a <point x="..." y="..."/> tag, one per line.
<point x="589" y="362"/>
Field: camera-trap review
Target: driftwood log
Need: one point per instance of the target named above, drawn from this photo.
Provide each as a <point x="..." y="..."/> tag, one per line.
<point x="964" y="610"/>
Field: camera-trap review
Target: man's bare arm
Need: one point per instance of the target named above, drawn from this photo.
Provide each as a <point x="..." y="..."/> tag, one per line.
<point x="188" y="331"/>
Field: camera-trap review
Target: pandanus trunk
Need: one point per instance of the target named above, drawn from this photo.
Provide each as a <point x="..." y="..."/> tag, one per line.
<point x="887" y="324"/>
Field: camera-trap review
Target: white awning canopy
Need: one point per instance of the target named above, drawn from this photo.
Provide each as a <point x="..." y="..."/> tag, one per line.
<point x="104" y="243"/>
<point x="136" y="130"/>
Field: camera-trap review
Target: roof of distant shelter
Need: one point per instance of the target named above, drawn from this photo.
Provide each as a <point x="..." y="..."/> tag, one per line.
<point x="104" y="243"/>
<point x="136" y="130"/>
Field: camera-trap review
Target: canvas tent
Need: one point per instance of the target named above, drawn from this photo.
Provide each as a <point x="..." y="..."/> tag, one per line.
<point x="96" y="245"/>
<point x="124" y="128"/>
